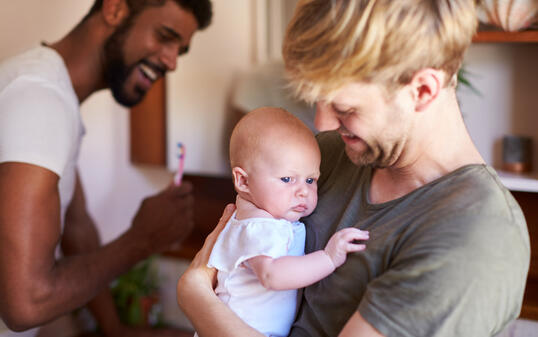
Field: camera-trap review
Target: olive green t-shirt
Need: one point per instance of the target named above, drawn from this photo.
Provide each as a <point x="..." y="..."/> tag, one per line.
<point x="448" y="259"/>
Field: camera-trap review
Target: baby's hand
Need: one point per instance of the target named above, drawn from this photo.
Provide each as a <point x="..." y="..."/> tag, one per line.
<point x="341" y="243"/>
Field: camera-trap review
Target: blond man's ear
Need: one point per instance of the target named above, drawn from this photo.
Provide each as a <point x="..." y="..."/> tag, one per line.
<point x="240" y="179"/>
<point x="427" y="84"/>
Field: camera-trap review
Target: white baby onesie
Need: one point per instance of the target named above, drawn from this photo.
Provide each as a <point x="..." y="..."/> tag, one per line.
<point x="269" y="311"/>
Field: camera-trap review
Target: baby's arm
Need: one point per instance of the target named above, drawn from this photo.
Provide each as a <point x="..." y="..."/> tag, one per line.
<point x="294" y="272"/>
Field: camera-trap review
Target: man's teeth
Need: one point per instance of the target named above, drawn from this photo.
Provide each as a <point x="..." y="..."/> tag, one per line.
<point x="148" y="72"/>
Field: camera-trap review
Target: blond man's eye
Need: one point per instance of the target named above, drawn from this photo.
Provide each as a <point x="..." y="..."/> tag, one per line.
<point x="286" y="179"/>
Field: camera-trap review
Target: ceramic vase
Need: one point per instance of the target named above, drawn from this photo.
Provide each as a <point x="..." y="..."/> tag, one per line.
<point x="510" y="15"/>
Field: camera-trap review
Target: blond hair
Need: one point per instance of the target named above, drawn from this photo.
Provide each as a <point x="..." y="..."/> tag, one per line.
<point x="261" y="129"/>
<point x="330" y="43"/>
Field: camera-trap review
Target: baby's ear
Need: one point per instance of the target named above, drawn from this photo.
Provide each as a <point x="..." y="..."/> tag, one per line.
<point x="240" y="179"/>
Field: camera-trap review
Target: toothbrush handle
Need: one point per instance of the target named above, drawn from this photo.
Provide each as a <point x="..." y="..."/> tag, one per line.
<point x="178" y="177"/>
<point x="179" y="174"/>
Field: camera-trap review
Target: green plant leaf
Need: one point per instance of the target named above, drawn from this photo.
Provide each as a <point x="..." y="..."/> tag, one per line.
<point x="128" y="289"/>
<point x="134" y="312"/>
<point x="463" y="80"/>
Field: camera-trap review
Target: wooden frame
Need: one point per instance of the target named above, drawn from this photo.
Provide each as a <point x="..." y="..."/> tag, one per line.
<point x="491" y="34"/>
<point x="529" y="202"/>
<point x="529" y="36"/>
<point x="148" y="127"/>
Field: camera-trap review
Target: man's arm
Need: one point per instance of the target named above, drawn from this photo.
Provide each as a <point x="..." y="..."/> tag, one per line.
<point x="294" y="272"/>
<point x="195" y="295"/>
<point x="34" y="287"/>
<point x="80" y="236"/>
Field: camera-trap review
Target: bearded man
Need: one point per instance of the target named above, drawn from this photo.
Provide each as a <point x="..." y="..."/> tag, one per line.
<point x="124" y="45"/>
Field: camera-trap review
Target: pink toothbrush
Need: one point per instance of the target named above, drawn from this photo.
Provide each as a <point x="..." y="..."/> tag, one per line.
<point x="181" y="156"/>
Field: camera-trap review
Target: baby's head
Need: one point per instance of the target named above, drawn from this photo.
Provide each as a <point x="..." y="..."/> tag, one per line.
<point x="275" y="163"/>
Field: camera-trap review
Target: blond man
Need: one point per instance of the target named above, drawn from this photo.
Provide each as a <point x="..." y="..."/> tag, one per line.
<point x="449" y="250"/>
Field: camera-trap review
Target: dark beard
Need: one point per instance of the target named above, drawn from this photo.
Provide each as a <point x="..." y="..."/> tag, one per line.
<point x="116" y="71"/>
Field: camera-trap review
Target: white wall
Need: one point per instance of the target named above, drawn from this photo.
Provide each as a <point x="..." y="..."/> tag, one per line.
<point x="25" y="23"/>
<point x="199" y="90"/>
<point x="506" y="74"/>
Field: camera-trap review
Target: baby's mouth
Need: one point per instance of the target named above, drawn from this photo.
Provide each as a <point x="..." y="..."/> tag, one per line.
<point x="300" y="208"/>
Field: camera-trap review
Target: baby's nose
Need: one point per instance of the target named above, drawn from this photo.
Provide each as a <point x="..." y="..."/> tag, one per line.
<point x="302" y="191"/>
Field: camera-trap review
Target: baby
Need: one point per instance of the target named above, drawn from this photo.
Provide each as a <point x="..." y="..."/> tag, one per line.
<point x="259" y="255"/>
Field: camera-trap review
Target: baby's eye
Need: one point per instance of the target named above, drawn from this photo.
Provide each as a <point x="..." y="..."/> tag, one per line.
<point x="310" y="180"/>
<point x="286" y="179"/>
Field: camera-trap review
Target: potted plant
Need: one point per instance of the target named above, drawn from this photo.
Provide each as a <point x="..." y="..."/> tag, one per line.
<point x="136" y="295"/>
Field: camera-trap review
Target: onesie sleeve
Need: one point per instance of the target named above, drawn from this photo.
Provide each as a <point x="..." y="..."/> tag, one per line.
<point x="36" y="126"/>
<point x="242" y="240"/>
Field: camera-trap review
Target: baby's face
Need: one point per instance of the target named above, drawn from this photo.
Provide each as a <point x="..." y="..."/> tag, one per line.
<point x="284" y="180"/>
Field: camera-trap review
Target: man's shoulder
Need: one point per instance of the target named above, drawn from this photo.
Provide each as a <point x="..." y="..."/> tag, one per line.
<point x="474" y="189"/>
<point x="42" y="72"/>
<point x="473" y="203"/>
<point x="40" y="66"/>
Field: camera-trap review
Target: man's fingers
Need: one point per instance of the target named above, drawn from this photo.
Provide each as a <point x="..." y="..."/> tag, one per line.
<point x="212" y="237"/>
<point x="198" y="272"/>
<point x="226" y="215"/>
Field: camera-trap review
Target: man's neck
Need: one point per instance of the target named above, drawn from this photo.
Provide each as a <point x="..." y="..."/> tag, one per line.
<point x="441" y="145"/>
<point x="84" y="59"/>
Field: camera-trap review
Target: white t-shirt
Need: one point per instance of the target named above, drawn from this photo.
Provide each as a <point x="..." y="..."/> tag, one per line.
<point x="40" y="121"/>
<point x="268" y="311"/>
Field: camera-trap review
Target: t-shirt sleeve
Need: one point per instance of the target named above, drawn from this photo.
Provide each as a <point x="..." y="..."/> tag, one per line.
<point x="239" y="242"/>
<point x="36" y="127"/>
<point x="441" y="281"/>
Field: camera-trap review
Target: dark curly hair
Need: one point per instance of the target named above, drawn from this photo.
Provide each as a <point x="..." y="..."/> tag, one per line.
<point x="201" y="9"/>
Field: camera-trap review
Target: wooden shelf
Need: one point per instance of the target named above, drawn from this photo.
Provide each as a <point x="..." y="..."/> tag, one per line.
<point x="524" y="182"/>
<point x="530" y="300"/>
<point x="211" y="195"/>
<point x="528" y="202"/>
<point x="527" y="36"/>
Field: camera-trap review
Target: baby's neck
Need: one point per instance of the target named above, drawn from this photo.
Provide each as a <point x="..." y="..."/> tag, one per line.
<point x="246" y="209"/>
